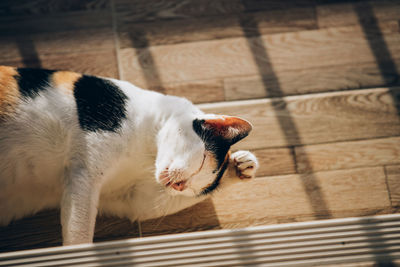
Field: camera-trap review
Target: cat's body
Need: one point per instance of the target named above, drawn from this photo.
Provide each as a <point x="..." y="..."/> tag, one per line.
<point x="89" y="144"/>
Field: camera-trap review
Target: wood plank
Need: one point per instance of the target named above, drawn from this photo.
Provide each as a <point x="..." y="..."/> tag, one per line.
<point x="254" y="5"/>
<point x="278" y="161"/>
<point x="295" y="195"/>
<point x="348" y="155"/>
<point x="196" y="218"/>
<point x="318" y="118"/>
<point x="196" y="91"/>
<point x="102" y="63"/>
<point x="34" y="45"/>
<point x="215" y="27"/>
<point x="276" y="199"/>
<point x="44" y="230"/>
<point x="393" y="180"/>
<point x="236" y="56"/>
<point x="324" y="79"/>
<point x="113" y="228"/>
<point x="131" y="11"/>
<point x="38" y="7"/>
<point x="313" y="80"/>
<point x="351" y="12"/>
<point x="11" y="25"/>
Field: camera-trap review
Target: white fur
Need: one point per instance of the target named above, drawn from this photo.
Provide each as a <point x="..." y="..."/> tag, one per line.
<point x="47" y="161"/>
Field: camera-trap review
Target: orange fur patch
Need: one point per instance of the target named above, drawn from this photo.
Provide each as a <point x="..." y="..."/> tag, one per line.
<point x="227" y="157"/>
<point x="65" y="80"/>
<point x="9" y="93"/>
<point x="223" y="126"/>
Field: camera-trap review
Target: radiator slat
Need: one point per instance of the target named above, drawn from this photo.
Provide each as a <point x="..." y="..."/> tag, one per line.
<point x="335" y="241"/>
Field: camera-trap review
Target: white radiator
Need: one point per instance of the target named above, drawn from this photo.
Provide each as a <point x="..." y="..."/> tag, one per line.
<point x="350" y="240"/>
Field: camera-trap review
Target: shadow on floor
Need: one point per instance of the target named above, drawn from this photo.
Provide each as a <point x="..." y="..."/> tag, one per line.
<point x="385" y="62"/>
<point x="44" y="230"/>
<point x="147" y="62"/>
<point x="378" y="46"/>
<point x="28" y="53"/>
<point x="199" y="217"/>
<point x="38" y="231"/>
<point x="287" y="124"/>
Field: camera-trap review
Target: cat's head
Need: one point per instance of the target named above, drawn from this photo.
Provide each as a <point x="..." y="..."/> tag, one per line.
<point x="193" y="153"/>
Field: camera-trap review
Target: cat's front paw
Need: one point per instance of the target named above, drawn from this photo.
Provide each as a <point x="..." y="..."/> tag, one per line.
<point x="245" y="164"/>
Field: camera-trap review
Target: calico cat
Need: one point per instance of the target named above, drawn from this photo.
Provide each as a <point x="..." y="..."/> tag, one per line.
<point x="89" y="144"/>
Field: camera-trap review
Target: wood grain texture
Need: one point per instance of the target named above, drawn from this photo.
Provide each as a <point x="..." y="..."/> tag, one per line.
<point x="347" y="155"/>
<point x="113" y="228"/>
<point x="285" y="196"/>
<point x="352" y="12"/>
<point x="196" y="91"/>
<point x="11" y="25"/>
<point x="235" y="57"/>
<point x="44" y="230"/>
<point x="393" y="181"/>
<point x="129" y="11"/>
<point x="313" y="80"/>
<point x="66" y="42"/>
<point x="43" y="7"/>
<point x="318" y="118"/>
<point x="102" y="63"/>
<point x="276" y="161"/>
<point x="277" y="199"/>
<point x="215" y="27"/>
<point x="199" y="217"/>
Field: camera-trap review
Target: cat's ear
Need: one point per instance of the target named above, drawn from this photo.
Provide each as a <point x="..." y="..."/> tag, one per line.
<point x="228" y="128"/>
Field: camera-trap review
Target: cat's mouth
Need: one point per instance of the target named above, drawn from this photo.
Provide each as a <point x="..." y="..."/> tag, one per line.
<point x="167" y="178"/>
<point x="179" y="186"/>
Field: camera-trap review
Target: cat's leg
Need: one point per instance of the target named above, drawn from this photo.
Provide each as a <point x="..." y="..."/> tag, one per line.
<point x="79" y="206"/>
<point x="244" y="164"/>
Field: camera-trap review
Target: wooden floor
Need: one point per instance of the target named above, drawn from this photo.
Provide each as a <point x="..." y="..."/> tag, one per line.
<point x="319" y="79"/>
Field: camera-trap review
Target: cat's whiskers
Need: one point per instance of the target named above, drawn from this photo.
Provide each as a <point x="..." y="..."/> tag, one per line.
<point x="157" y="202"/>
<point x="166" y="212"/>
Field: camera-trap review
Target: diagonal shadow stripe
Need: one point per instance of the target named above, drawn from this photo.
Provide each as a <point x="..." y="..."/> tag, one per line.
<point x="385" y="62"/>
<point x="146" y="61"/>
<point x="379" y="47"/>
<point x="376" y="42"/>
<point x="286" y="122"/>
<point x="28" y="52"/>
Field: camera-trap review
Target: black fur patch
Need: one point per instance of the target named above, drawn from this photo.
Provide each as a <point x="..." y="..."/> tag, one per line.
<point x="215" y="144"/>
<point x="100" y="103"/>
<point x="32" y="81"/>
<point x="217" y="180"/>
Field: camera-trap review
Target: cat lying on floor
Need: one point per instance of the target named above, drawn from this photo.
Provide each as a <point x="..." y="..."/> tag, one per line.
<point x="88" y="144"/>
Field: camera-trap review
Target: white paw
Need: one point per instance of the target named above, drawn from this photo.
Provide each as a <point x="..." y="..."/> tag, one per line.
<point x="246" y="164"/>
